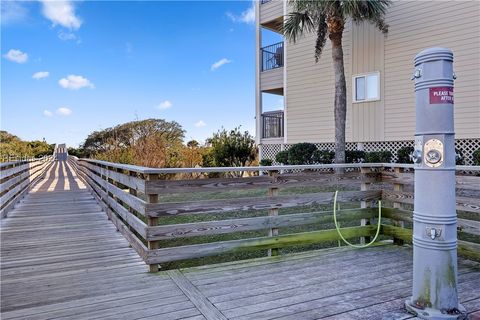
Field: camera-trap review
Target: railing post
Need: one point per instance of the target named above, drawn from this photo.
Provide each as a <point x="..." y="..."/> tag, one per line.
<point x="132" y="192"/>
<point x="273" y="192"/>
<point x="397" y="205"/>
<point x="152" y="221"/>
<point x="363" y="204"/>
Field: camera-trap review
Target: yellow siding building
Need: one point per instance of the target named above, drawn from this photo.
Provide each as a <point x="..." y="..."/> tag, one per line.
<point x="381" y="111"/>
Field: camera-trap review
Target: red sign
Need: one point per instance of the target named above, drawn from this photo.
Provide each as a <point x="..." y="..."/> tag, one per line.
<point x="440" y="95"/>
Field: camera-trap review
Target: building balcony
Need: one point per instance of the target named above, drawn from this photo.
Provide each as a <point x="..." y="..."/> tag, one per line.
<point x="272" y="56"/>
<point x="271" y="69"/>
<point x="272" y="124"/>
<point x="271" y="14"/>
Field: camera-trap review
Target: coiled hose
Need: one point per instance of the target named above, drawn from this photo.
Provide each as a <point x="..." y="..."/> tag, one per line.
<point x="340" y="233"/>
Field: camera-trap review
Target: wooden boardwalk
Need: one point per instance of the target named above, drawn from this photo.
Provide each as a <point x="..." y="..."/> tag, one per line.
<point x="62" y="259"/>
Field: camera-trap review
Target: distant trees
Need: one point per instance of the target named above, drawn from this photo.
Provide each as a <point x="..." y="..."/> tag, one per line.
<point x="193" y="154"/>
<point x="13" y="146"/>
<point x="77" y="152"/>
<point x="151" y="143"/>
<point x="159" y="143"/>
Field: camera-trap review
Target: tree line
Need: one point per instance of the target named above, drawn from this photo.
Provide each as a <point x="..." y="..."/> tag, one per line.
<point x="12" y="147"/>
<point x="161" y="144"/>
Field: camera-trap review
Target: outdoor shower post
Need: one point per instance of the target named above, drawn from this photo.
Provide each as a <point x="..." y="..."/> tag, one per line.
<point x="434" y="294"/>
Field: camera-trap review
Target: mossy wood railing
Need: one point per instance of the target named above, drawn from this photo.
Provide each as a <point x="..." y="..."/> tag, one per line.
<point x="142" y="201"/>
<point x="16" y="178"/>
<point x="467" y="205"/>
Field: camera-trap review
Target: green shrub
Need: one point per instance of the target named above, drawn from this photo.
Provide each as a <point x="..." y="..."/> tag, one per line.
<point x="209" y="161"/>
<point x="301" y="153"/>
<point x="354" y="156"/>
<point x="378" y="157"/>
<point x="476" y="157"/>
<point x="266" y="162"/>
<point x="403" y="155"/>
<point x="323" y="156"/>
<point x="459" y="158"/>
<point x="232" y="148"/>
<point x="282" y="157"/>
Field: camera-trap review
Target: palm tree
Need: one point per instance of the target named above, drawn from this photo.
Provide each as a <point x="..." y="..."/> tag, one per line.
<point x="328" y="18"/>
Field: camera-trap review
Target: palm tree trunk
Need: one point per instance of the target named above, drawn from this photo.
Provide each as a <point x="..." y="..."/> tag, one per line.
<point x="340" y="108"/>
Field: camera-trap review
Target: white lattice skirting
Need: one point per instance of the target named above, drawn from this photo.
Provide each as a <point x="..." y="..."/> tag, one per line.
<point x="467" y="146"/>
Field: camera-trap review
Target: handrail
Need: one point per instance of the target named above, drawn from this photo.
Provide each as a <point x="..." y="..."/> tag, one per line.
<point x="17" y="177"/>
<point x="10" y="163"/>
<point x="146" y="207"/>
<point x="148" y="170"/>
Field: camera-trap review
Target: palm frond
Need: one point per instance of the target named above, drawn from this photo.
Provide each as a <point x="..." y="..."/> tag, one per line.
<point x="380" y="24"/>
<point x="297" y="23"/>
<point x="367" y="10"/>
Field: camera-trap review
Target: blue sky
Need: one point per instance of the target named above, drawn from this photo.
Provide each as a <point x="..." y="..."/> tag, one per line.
<point x="69" y="68"/>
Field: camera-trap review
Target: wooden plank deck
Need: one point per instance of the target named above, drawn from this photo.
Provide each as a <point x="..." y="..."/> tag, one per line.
<point x="62" y="259"/>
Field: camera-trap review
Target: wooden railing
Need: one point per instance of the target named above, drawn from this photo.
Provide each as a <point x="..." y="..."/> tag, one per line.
<point x="16" y="178"/>
<point x="467" y="205"/>
<point x="168" y="217"/>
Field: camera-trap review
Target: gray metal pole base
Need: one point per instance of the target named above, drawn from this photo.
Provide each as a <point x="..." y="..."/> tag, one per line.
<point x="434" y="314"/>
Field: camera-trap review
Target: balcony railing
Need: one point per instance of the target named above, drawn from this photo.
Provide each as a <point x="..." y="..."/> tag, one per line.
<point x="272" y="124"/>
<point x="272" y="56"/>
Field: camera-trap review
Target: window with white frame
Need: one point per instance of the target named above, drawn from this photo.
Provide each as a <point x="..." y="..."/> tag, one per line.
<point x="366" y="87"/>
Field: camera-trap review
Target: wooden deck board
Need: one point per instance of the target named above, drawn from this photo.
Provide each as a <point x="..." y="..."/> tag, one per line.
<point x="62" y="259"/>
<point x="61" y="254"/>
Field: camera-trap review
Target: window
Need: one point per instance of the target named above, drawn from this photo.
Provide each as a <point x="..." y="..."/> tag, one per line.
<point x="366" y="87"/>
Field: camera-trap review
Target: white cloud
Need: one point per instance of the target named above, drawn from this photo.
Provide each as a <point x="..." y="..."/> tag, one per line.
<point x="13" y="11"/>
<point x="64" y="111"/>
<point x="40" y="75"/>
<point x="200" y="124"/>
<point x="220" y="63"/>
<point x="164" y="105"/>
<point x="16" y="56"/>
<point x="65" y="36"/>
<point x="247" y="16"/>
<point x="74" y="82"/>
<point x="61" y="12"/>
<point x="48" y="113"/>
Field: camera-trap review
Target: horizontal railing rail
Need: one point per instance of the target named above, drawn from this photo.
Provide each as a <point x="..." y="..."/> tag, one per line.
<point x="167" y="217"/>
<point x="401" y="198"/>
<point x="147" y="170"/>
<point x="272" y="56"/>
<point x="16" y="178"/>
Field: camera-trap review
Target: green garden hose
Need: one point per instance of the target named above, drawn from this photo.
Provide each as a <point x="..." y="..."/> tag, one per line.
<point x="340" y="233"/>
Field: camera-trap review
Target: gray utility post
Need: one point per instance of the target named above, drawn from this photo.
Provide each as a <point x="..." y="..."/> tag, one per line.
<point x="435" y="293"/>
